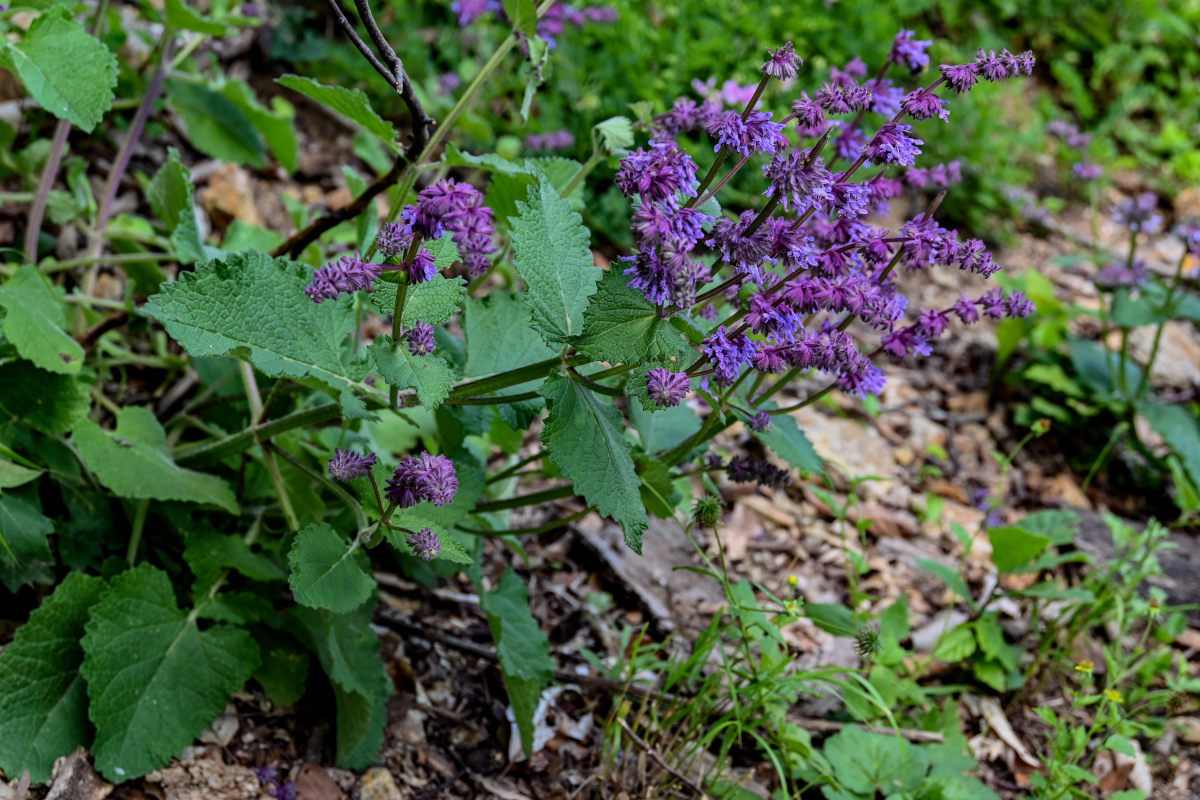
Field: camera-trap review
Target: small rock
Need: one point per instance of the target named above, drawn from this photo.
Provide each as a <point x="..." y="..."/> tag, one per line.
<point x="378" y="784"/>
<point x="1189" y="728"/>
<point x="74" y="779"/>
<point x="230" y="195"/>
<point x="1187" y="205"/>
<point x="314" y="783"/>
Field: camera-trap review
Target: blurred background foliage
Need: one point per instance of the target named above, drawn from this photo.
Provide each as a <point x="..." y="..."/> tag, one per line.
<point x="1126" y="71"/>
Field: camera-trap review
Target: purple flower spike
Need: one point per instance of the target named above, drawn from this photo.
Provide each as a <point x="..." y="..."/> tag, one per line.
<point x="756" y="470"/>
<point x="760" y="422"/>
<point x="421" y="268"/>
<point x="658" y="173"/>
<point x="753" y="134"/>
<point x="667" y="388"/>
<point x="910" y="52"/>
<point x="809" y="116"/>
<point x="924" y="104"/>
<point x="347" y="274"/>
<point x="728" y="354"/>
<point x="423" y="477"/>
<point x="798" y="181"/>
<point x="346" y="465"/>
<point x="1138" y="213"/>
<point x="424" y="544"/>
<point x="393" y="239"/>
<point x="960" y="77"/>
<point x="843" y="98"/>
<point x="783" y="63"/>
<point x="893" y="145"/>
<point x="420" y="339"/>
<point x="1087" y="171"/>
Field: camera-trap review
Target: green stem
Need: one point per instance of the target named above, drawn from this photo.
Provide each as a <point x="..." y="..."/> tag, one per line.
<point x="594" y="386"/>
<point x="237" y="442"/>
<point x="531" y="499"/>
<point x="1100" y="459"/>
<point x="507" y="471"/>
<point x="1158" y="331"/>
<point x="584" y="169"/>
<point x="114" y="258"/>
<point x="397" y="327"/>
<point x="513" y="377"/>
<point x="547" y="528"/>
<point x="135" y="536"/>
<point x="256" y="410"/>
<point x="497" y="400"/>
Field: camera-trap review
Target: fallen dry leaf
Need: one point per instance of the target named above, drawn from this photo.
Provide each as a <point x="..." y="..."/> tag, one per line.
<point x="995" y="717"/>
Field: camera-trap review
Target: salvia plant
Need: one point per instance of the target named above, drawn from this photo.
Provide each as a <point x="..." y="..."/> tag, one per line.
<point x="219" y="525"/>
<point x="1078" y="380"/>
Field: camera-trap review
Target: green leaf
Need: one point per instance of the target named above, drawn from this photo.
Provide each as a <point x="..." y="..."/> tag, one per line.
<point x="831" y="617"/>
<point x="170" y="195"/>
<point x="283" y="673"/>
<point x="67" y="71"/>
<point x="620" y="326"/>
<point x="955" y="644"/>
<point x="349" y="654"/>
<point x="181" y="15"/>
<point x="1014" y="547"/>
<point x="787" y="441"/>
<point x="209" y="553"/>
<point x="430" y="375"/>
<point x="1181" y="429"/>
<point x="277" y="126"/>
<point x="23" y="530"/>
<point x="45" y="401"/>
<point x="523" y="16"/>
<point x="133" y="461"/>
<point x="552" y="255"/>
<point x="273" y="324"/>
<point x="656" y="489"/>
<point x="500" y="335"/>
<point x="662" y="429"/>
<point x="1060" y="526"/>
<point x="41" y="691"/>
<point x="215" y="124"/>
<point x="523" y="649"/>
<point x="991" y="640"/>
<point x="327" y="572"/>
<point x="350" y="103"/>
<point x="949" y="577"/>
<point x="434" y="301"/>
<point x="154" y="679"/>
<point x="585" y="436"/>
<point x="874" y="764"/>
<point x="614" y="135"/>
<point x="35" y="320"/>
<point x="14" y="475"/>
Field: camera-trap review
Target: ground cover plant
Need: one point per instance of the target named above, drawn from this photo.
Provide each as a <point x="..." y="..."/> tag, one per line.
<point x="220" y="439"/>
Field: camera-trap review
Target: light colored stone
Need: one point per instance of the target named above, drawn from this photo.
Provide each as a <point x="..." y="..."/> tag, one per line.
<point x="230" y="195"/>
<point x="378" y="784"/>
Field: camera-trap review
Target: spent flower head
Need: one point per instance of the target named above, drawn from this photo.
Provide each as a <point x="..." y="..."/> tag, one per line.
<point x="424" y="544"/>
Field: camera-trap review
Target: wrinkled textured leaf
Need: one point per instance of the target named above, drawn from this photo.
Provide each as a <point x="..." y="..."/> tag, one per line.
<point x="68" y="71"/>
<point x="500" y="335"/>
<point x="620" y="326"/>
<point x="614" y="134"/>
<point x="45" y="401"/>
<point x="209" y="553"/>
<point x="552" y="255"/>
<point x="428" y="374"/>
<point x="134" y="461"/>
<point x="349" y="654"/>
<point x="350" y="103"/>
<point x="272" y="323"/>
<point x="154" y="679"/>
<point x="35" y="321"/>
<point x="585" y="436"/>
<point x="523" y="649"/>
<point x="41" y="691"/>
<point x="787" y="441"/>
<point x="327" y="572"/>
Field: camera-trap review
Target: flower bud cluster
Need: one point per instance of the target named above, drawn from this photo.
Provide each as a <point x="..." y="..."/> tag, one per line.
<point x="816" y="262"/>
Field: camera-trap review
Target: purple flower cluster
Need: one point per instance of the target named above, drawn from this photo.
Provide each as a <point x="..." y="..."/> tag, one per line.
<point x="747" y="133"/>
<point x="420" y="478"/>
<point x="346" y="465"/>
<point x="549" y="27"/>
<point x="757" y="470"/>
<point x="666" y="388"/>
<point x="782" y="63"/>
<point x="268" y="778"/>
<point x="450" y="206"/>
<point x="553" y="140"/>
<point x="424" y="544"/>
<point x="1077" y="141"/>
<point x="987" y="66"/>
<point x="420" y="339"/>
<point x="347" y="274"/>
<point x="1139" y="214"/>
<point x="909" y="52"/>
